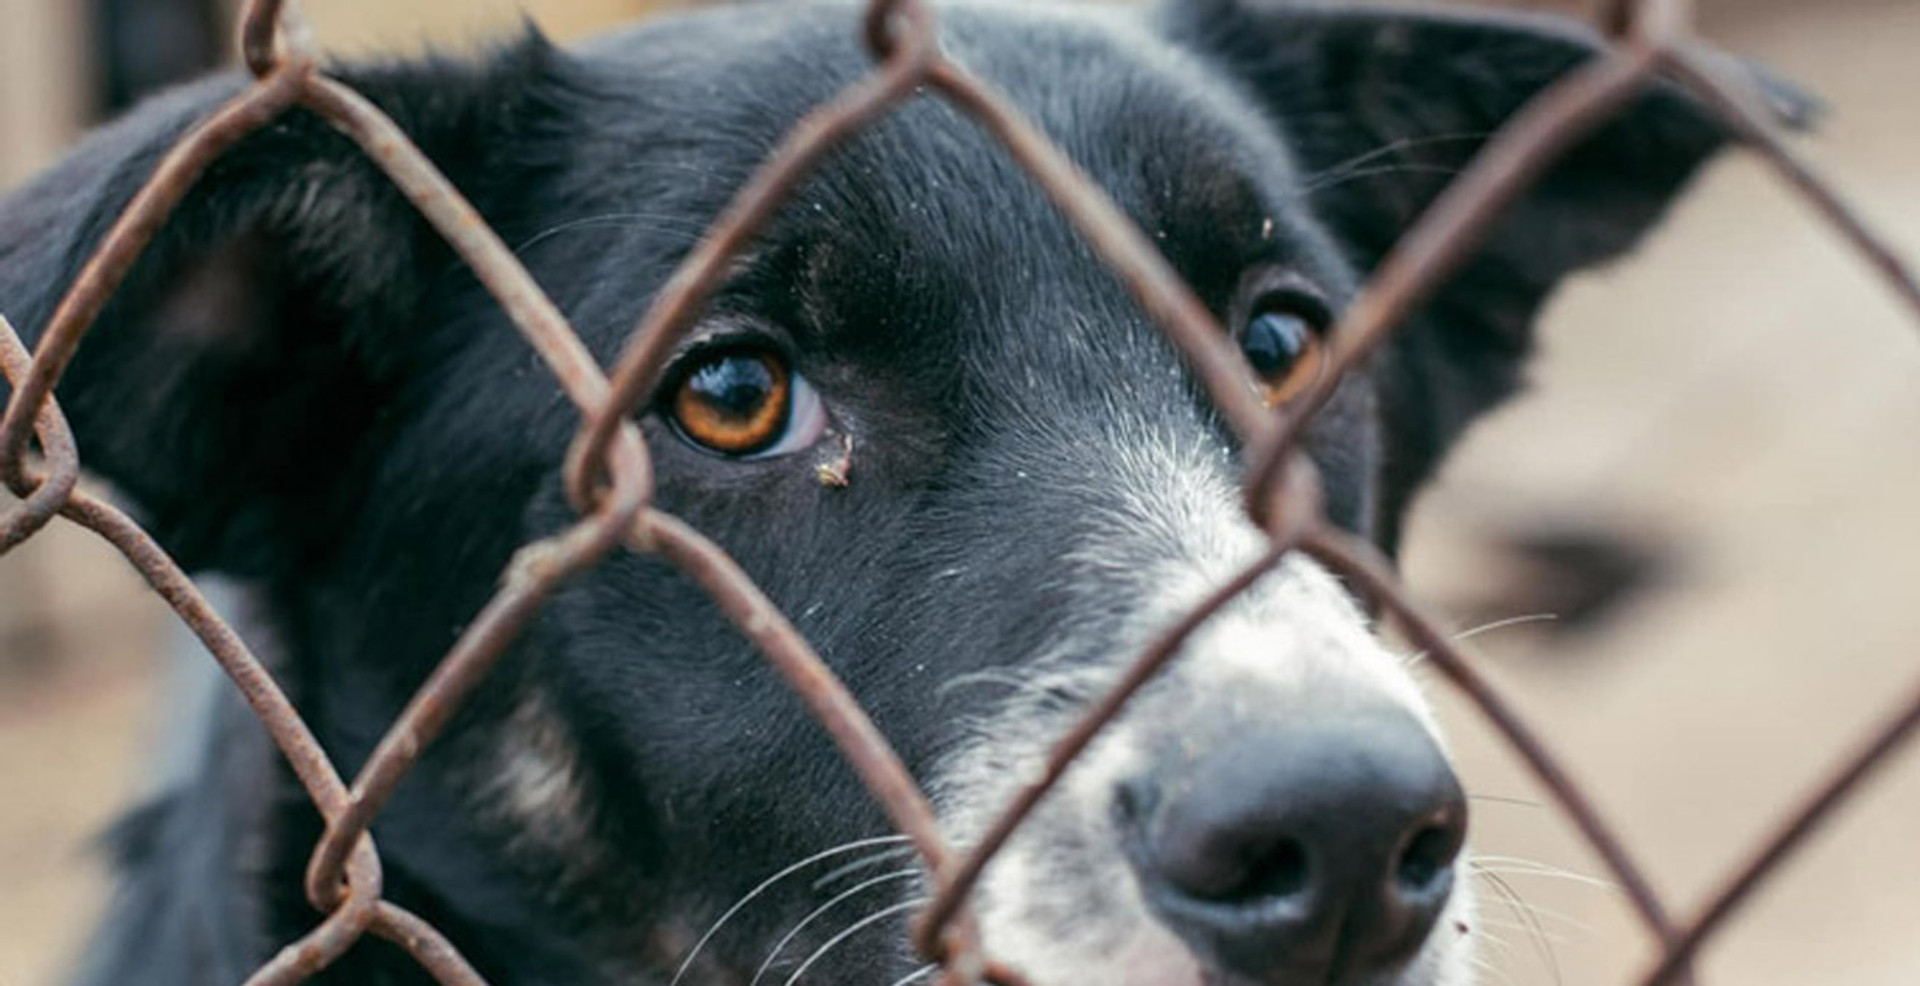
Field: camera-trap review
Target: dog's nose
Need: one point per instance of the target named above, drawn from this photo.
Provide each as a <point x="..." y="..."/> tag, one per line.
<point x="1301" y="851"/>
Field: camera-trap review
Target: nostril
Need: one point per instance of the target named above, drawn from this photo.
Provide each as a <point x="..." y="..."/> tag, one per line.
<point x="1300" y="848"/>
<point x="1426" y="858"/>
<point x="1269" y="872"/>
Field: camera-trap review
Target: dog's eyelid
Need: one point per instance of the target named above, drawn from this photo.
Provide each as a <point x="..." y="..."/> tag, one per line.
<point x="1313" y="308"/>
<point x="1281" y="287"/>
<point x="729" y="332"/>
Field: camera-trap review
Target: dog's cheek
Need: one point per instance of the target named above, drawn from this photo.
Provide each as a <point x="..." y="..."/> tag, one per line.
<point x="534" y="790"/>
<point x="1060" y="903"/>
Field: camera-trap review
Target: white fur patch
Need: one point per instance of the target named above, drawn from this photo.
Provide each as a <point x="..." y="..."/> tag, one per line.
<point x="537" y="787"/>
<point x="1061" y="902"/>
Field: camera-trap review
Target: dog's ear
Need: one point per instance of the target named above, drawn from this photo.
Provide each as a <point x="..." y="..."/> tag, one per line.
<point x="1383" y="107"/>
<point x="230" y="383"/>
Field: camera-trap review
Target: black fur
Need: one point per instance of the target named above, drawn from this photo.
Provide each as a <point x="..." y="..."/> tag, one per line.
<point x="301" y="386"/>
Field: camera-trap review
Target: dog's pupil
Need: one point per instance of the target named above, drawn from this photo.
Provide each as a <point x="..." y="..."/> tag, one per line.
<point x="1275" y="341"/>
<point x="735" y="387"/>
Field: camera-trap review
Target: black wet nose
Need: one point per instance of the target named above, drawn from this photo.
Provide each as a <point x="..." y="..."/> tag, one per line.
<point x="1307" y="850"/>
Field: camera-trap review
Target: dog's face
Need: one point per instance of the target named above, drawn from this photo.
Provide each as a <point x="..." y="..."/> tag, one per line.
<point x="921" y="413"/>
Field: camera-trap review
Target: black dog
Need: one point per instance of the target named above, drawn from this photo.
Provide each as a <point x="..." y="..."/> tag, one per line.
<point x="301" y="386"/>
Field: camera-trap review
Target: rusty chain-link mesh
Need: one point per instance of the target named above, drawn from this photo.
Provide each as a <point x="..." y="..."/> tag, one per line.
<point x="609" y="477"/>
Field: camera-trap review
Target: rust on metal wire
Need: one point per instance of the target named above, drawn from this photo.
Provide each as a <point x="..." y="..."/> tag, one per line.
<point x="1819" y="806"/>
<point x="1361" y="565"/>
<point x="680" y="301"/>
<point x="1449" y="230"/>
<point x="1160" y="291"/>
<point x="130" y="234"/>
<point x="609" y="476"/>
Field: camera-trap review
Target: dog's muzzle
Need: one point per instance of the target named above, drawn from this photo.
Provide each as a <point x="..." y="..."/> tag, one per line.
<point x="1275" y="810"/>
<point x="1315" y="848"/>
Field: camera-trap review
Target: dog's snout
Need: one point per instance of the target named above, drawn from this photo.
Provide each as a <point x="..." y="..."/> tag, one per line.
<point x="1312" y="849"/>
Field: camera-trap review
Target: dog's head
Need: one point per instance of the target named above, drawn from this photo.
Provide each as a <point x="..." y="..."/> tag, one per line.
<point x="922" y="414"/>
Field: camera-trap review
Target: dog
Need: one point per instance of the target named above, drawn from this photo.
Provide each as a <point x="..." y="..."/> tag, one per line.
<point x="301" y="387"/>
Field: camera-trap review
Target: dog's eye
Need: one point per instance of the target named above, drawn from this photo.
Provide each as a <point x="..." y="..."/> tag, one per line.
<point x="1283" y="342"/>
<point x="745" y="402"/>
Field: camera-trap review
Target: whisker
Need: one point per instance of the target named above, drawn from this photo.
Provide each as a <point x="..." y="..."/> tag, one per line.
<point x="1549" y="874"/>
<point x="1511" y="621"/>
<point x="1409" y="168"/>
<point x="1505" y="800"/>
<point x="852" y="929"/>
<point x="1342" y="169"/>
<point x="819" y="912"/>
<point x="861" y="864"/>
<point x="1500" y="923"/>
<point x="764" y="887"/>
<point x="989" y="676"/>
<point x="1543" y="915"/>
<point x="1515" y="866"/>
<point x="1472" y="632"/>
<point x="916" y="974"/>
<point x="1556" y="916"/>
<point x="662" y="221"/>
<point x="1535" y="930"/>
<point x="1489" y="968"/>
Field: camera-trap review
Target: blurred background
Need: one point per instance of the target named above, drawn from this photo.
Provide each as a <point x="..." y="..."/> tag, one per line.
<point x="1713" y="490"/>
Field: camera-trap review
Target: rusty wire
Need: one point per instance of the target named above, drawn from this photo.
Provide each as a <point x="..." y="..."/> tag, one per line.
<point x="610" y="482"/>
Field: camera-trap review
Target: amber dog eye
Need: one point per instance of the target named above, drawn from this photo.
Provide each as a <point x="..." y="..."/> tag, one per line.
<point x="1285" y="347"/>
<point x="744" y="402"/>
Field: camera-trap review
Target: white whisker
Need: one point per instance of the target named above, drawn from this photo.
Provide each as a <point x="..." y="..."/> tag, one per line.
<point x="1511" y="621"/>
<point x="1491" y="969"/>
<point x="1514" y="866"/>
<point x="1468" y="634"/>
<point x="871" y="919"/>
<point x="1530" y="920"/>
<point x="916" y="974"/>
<point x="660" y="221"/>
<point x="1345" y="169"/>
<point x="864" y="862"/>
<point x="1500" y="923"/>
<point x="1500" y="799"/>
<point x="1483" y="937"/>
<point x="764" y="887"/>
<point x="1444" y="171"/>
<point x="819" y="912"/>
<point x="990" y="676"/>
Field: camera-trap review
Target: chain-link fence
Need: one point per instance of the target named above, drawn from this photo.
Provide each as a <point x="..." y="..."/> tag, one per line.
<point x="609" y="478"/>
